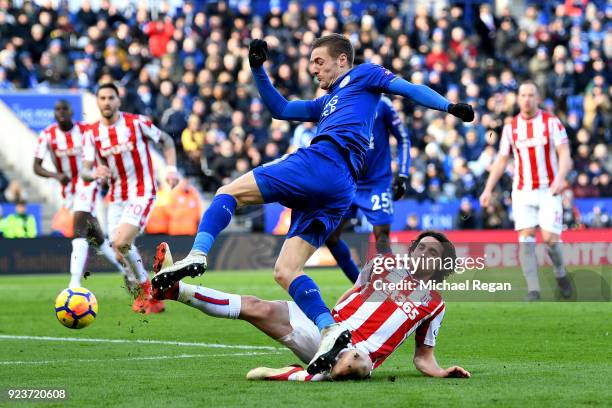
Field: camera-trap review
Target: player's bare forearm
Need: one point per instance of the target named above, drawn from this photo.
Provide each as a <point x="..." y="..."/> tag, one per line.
<point x="347" y="294"/>
<point x="168" y="149"/>
<point x="87" y="173"/>
<point x="565" y="161"/>
<point x="167" y="146"/>
<point x="497" y="169"/>
<point x="39" y="170"/>
<point x="425" y="361"/>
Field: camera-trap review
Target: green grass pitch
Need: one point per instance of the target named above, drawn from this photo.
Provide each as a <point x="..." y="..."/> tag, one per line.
<point x="544" y="354"/>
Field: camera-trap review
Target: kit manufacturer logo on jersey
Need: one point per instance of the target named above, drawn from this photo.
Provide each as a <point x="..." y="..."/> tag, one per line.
<point x="345" y="81"/>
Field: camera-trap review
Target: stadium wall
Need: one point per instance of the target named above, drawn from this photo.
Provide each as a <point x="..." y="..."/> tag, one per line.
<point x="259" y="251"/>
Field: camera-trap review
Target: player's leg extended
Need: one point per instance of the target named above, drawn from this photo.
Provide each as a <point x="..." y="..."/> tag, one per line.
<point x="525" y="207"/>
<point x="554" y="248"/>
<point x="271" y="317"/>
<point x="529" y="262"/>
<point x="240" y="192"/>
<point x="289" y="273"/>
<point x="342" y="253"/>
<point x="123" y="239"/>
<point x="95" y="236"/>
<point x="80" y="249"/>
<point x="550" y="220"/>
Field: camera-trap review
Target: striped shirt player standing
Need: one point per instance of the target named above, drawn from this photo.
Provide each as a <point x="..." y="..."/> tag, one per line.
<point x="119" y="143"/>
<point x="542" y="162"/>
<point x="379" y="317"/>
<point x="63" y="142"/>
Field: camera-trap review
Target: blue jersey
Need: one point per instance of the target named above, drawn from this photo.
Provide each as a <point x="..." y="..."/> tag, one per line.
<point x="378" y="158"/>
<point x="346" y="113"/>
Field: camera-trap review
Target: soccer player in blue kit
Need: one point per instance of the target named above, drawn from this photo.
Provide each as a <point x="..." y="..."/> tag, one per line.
<point x="375" y="190"/>
<point x="316" y="182"/>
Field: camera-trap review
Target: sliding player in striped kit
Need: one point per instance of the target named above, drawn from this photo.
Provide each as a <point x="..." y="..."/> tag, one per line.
<point x="119" y="142"/>
<point x="379" y="316"/>
<point x="541" y="164"/>
<point x="63" y="141"/>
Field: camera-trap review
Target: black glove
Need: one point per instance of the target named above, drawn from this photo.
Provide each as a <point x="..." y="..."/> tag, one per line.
<point x="462" y="110"/>
<point x="400" y="185"/>
<point x="258" y="53"/>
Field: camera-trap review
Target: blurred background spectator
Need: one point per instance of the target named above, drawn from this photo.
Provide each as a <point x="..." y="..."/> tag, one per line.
<point x="20" y="224"/>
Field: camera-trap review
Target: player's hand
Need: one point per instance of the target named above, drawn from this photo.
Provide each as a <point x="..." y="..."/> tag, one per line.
<point x="399" y="187"/>
<point x="172" y="176"/>
<point x="463" y="111"/>
<point x="485" y="199"/>
<point x="258" y="53"/>
<point x="457" y="372"/>
<point x="557" y="186"/>
<point x="102" y="173"/>
<point x="62" y="178"/>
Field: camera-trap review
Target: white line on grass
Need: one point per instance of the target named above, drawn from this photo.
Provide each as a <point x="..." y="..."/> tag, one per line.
<point x="139" y="341"/>
<point x="94" y="360"/>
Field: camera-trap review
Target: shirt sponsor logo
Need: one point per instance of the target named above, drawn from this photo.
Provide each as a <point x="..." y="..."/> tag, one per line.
<point x="531" y="142"/>
<point x="75" y="151"/>
<point x="117" y="149"/>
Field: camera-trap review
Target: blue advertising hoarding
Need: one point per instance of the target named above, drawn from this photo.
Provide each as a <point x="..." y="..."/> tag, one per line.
<point x="440" y="216"/>
<point x="35" y="109"/>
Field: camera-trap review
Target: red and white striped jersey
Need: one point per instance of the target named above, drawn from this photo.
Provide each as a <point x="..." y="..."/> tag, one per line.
<point x="533" y="142"/>
<point x="381" y="320"/>
<point x="124" y="148"/>
<point x="65" y="149"/>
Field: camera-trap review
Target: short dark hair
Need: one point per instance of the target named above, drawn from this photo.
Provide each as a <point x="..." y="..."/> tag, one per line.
<point x="448" y="252"/>
<point x="107" y="85"/>
<point x="336" y="44"/>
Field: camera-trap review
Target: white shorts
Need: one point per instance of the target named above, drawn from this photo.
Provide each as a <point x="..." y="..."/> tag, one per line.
<point x="537" y="208"/>
<point x="134" y="211"/>
<point x="305" y="337"/>
<point x="84" y="197"/>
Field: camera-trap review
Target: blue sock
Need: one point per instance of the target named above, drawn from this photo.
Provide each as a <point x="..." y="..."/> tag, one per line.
<point x="306" y="294"/>
<point x="342" y="254"/>
<point x="214" y="220"/>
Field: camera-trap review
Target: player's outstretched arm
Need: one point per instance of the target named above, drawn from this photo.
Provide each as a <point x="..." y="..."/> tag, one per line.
<point x="425" y="361"/>
<point x="281" y="108"/>
<point x="39" y="170"/>
<point x="424" y="95"/>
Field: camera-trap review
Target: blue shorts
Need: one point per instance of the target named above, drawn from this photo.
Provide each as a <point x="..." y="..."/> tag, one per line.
<point x="375" y="202"/>
<point x="316" y="183"/>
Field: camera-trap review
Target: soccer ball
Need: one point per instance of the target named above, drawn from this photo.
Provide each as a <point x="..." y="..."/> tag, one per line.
<point x="76" y="308"/>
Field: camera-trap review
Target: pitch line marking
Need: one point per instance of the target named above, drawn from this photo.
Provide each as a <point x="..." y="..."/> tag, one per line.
<point x="140" y="341"/>
<point x="96" y="360"/>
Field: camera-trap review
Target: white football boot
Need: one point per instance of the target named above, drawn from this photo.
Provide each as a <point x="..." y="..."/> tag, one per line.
<point x="334" y="339"/>
<point x="193" y="265"/>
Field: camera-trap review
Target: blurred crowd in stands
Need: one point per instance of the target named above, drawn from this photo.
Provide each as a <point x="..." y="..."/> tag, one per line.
<point x="188" y="70"/>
